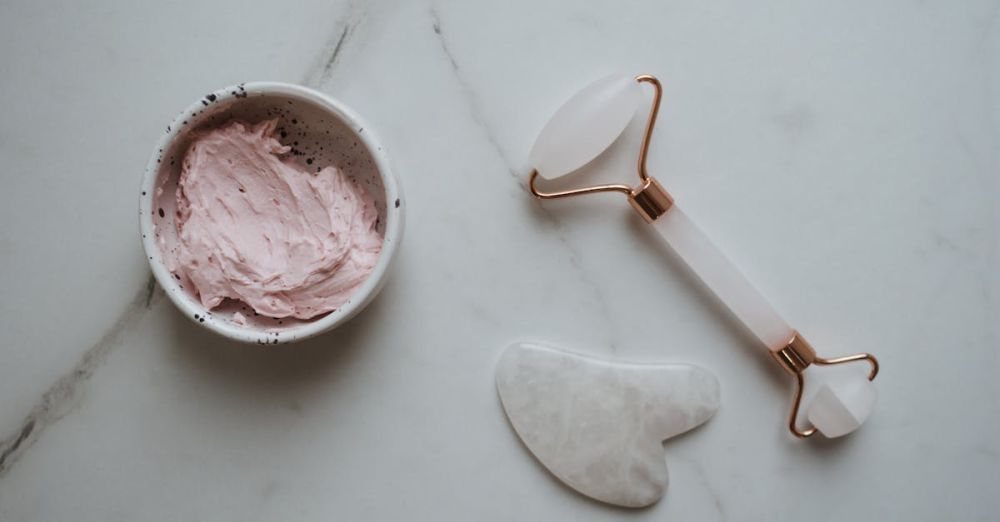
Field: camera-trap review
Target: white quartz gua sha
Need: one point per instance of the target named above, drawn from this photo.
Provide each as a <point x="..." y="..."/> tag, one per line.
<point x="599" y="425"/>
<point x="587" y="125"/>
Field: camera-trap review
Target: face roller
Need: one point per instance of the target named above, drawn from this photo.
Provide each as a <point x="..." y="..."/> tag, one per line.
<point x="586" y="126"/>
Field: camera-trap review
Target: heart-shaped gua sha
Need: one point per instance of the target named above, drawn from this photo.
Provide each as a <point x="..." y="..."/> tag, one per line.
<point x="599" y="425"/>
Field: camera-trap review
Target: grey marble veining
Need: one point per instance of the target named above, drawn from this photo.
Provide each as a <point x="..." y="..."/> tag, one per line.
<point x="59" y="400"/>
<point x="844" y="153"/>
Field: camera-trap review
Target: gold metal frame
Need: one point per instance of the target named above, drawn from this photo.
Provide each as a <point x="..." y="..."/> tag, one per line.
<point x="795" y="357"/>
<point x="649" y="199"/>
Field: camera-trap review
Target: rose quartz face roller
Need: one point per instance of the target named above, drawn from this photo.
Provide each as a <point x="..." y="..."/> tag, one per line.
<point x="586" y="126"/>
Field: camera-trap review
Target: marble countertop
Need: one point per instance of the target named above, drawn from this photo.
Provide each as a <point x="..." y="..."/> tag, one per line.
<point x="845" y="154"/>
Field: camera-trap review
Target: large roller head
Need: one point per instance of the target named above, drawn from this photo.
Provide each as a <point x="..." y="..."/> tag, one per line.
<point x="585" y="126"/>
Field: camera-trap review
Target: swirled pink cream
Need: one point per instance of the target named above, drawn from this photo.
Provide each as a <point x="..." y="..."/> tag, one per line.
<point x="253" y="226"/>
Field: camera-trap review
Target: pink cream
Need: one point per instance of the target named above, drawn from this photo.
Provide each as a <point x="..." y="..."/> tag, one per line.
<point x="254" y="227"/>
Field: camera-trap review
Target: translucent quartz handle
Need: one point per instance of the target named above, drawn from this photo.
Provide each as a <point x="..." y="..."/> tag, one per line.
<point x="722" y="276"/>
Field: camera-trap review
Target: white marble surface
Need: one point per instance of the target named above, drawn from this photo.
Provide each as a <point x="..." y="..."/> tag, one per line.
<point x="845" y="154"/>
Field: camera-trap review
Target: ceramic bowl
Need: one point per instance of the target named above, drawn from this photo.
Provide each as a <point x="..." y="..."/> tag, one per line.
<point x="323" y="132"/>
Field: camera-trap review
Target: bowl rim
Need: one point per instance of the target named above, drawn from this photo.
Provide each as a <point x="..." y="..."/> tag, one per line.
<point x="192" y="309"/>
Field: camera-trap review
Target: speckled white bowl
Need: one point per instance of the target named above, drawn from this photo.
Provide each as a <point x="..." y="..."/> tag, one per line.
<point x="320" y="129"/>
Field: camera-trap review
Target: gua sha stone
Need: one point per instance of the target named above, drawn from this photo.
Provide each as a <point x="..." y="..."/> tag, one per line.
<point x="599" y="425"/>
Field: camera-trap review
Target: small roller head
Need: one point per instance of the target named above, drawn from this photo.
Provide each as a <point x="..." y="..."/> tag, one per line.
<point x="841" y="407"/>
